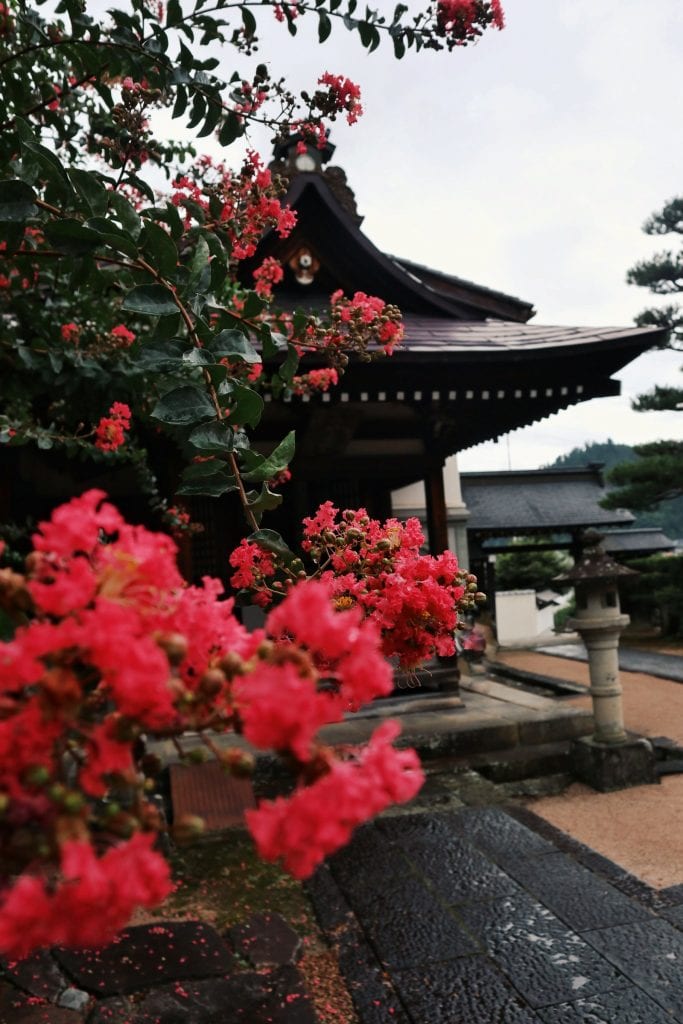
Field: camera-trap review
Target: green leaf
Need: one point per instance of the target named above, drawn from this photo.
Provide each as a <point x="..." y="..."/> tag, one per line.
<point x="200" y="357"/>
<point x="253" y="305"/>
<point x="246" y="406"/>
<point x="16" y="201"/>
<point x="126" y="213"/>
<point x="207" y="478"/>
<point x="174" y="12"/>
<point x="260" y="468"/>
<point x="161" y="359"/>
<point x="90" y="189"/>
<point x="233" y="345"/>
<point x="231" y="129"/>
<point x="50" y="165"/>
<point x="150" y="300"/>
<point x="249" y="23"/>
<point x="265" y="501"/>
<point x="184" y="406"/>
<point x="213" y="437"/>
<point x="214" y="113"/>
<point x="289" y="366"/>
<point x="113" y="236"/>
<point x="159" y="249"/>
<point x="270" y="540"/>
<point x="70" y="236"/>
<point x="324" y="26"/>
<point x="198" y="264"/>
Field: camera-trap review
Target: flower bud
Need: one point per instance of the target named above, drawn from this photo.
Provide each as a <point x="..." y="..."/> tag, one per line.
<point x="151" y="765"/>
<point x="231" y="664"/>
<point x="198" y="755"/>
<point x="187" y="828"/>
<point x="212" y="682"/>
<point x="73" y="803"/>
<point x="38" y="775"/>
<point x="122" y="825"/>
<point x="238" y="762"/>
<point x="174" y="646"/>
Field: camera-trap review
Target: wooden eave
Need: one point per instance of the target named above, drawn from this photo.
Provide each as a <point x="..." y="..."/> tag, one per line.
<point x="350" y="261"/>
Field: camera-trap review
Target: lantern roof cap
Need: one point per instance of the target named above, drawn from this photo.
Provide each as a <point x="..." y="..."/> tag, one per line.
<point x="594" y="564"/>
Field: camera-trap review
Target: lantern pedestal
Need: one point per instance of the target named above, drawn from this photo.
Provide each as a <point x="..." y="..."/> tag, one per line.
<point x="610" y="766"/>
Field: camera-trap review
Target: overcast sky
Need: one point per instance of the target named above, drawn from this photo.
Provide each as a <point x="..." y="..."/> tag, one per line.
<point x="527" y="163"/>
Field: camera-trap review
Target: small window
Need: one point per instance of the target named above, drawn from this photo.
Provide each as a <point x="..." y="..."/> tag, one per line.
<point x="611" y="598"/>
<point x="581" y="601"/>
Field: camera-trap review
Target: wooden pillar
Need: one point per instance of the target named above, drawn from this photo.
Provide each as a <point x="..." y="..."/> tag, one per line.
<point x="437" y="516"/>
<point x="437" y="532"/>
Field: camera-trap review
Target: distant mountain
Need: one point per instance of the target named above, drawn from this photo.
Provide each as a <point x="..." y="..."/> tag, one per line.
<point x="668" y="516"/>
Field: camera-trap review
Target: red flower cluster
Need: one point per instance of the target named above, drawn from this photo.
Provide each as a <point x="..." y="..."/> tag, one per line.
<point x="122" y="336"/>
<point x="109" y="433"/>
<point x="254" y="568"/>
<point x="464" y="20"/>
<point x="269" y="273"/>
<point x="413" y="598"/>
<point x="117" y="646"/>
<point x="93" y="901"/>
<point x="369" y="314"/>
<point x="70" y="333"/>
<point x="315" y="380"/>
<point x="249" y="201"/>
<point x="320" y="818"/>
<point x="342" y="95"/>
<point x="376" y="568"/>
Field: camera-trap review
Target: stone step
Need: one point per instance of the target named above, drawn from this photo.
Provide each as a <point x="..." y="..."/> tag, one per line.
<point x="525" y="762"/>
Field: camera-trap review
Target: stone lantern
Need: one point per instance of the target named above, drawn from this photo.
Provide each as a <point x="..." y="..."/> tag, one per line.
<point x="610" y="758"/>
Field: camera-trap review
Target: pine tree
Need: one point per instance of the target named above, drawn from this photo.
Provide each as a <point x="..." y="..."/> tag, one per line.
<point x="657" y="474"/>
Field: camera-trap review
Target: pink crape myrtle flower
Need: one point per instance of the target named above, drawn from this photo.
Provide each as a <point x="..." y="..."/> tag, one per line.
<point x="303" y="829"/>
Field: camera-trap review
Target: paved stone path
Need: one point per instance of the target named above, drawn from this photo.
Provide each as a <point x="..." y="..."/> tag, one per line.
<point x="665" y="666"/>
<point x="483" y="916"/>
<point x="173" y="972"/>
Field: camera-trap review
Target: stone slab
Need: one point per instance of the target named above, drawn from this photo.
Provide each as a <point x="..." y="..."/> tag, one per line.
<point x="370" y="988"/>
<point x="19" y="1008"/>
<point x="244" y="998"/>
<point x="37" y="974"/>
<point x="650" y="954"/>
<point x="460" y="873"/>
<point x="266" y="940"/>
<point x="149" y="955"/>
<point x="466" y="991"/>
<point x="498" y="835"/>
<point x="579" y="898"/>
<point x="331" y="908"/>
<point x="537" y="952"/>
<point x="408" y="940"/>
<point x="627" y="1006"/>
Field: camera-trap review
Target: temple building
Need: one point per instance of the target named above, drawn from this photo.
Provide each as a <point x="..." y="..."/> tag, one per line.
<point x="471" y="366"/>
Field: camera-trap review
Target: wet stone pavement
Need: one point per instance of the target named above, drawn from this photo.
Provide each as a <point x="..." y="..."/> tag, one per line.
<point x="173" y="972"/>
<point x="486" y="916"/>
<point x="468" y="916"/>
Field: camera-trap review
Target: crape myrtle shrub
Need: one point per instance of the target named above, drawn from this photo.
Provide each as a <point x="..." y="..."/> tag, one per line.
<point x="121" y="313"/>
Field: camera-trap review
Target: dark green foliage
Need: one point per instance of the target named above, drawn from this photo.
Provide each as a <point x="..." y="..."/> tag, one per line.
<point x="656" y="475"/>
<point x="634" y="474"/>
<point x="656" y="595"/>
<point x="529" y="570"/>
